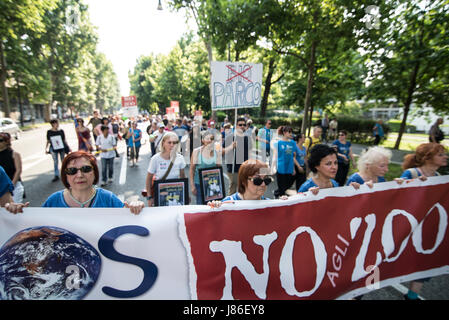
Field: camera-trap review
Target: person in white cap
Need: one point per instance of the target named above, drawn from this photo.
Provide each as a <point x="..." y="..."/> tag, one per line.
<point x="156" y="137"/>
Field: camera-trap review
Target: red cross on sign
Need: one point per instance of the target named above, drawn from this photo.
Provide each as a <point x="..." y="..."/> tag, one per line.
<point x="238" y="74"/>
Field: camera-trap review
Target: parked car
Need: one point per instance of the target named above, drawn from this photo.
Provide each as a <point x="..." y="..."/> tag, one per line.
<point x="8" y="125"/>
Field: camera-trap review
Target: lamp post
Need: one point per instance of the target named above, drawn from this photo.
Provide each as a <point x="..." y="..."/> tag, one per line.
<point x="20" y="101"/>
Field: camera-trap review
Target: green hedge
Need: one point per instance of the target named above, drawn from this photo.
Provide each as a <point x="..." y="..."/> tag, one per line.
<point x="359" y="129"/>
<point x="396" y="124"/>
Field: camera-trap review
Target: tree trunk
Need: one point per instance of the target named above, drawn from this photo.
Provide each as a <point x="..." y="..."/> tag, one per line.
<point x="310" y="78"/>
<point x="6" y="107"/>
<point x="266" y="92"/>
<point x="408" y="102"/>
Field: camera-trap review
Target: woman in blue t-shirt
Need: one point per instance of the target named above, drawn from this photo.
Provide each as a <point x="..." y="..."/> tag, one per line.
<point x="301" y="157"/>
<point x="344" y="155"/>
<point x="79" y="174"/>
<point x="323" y="164"/>
<point x="425" y="162"/>
<point x="134" y="136"/>
<point x="372" y="167"/>
<point x="284" y="161"/>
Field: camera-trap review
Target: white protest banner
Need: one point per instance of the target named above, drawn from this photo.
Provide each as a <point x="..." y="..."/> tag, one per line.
<point x="236" y="85"/>
<point x="337" y="244"/>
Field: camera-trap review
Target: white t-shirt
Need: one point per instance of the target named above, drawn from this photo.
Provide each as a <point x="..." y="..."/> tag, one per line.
<point x="105" y="144"/>
<point x="158" y="166"/>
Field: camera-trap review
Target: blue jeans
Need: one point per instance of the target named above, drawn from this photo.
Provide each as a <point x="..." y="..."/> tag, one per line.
<point x="107" y="165"/>
<point x="55" y="160"/>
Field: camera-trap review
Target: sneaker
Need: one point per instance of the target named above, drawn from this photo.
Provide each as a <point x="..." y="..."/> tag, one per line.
<point x="406" y="297"/>
<point x="56" y="178"/>
<point x="110" y="180"/>
<point x="103" y="184"/>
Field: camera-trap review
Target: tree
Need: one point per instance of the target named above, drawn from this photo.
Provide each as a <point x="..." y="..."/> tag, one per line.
<point x="18" y="21"/>
<point x="411" y="65"/>
<point x="317" y="32"/>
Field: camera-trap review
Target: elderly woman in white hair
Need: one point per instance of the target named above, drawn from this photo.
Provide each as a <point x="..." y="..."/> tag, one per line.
<point x="372" y="167"/>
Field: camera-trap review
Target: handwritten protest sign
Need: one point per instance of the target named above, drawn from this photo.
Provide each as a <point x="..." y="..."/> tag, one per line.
<point x="236" y="85"/>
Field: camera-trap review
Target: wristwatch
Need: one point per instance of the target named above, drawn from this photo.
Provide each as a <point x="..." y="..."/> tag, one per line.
<point x="149" y="197"/>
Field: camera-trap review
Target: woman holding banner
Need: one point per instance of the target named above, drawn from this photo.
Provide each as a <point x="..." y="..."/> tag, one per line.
<point x="79" y="174"/>
<point x="372" y="166"/>
<point x="323" y="163"/>
<point x="253" y="179"/>
<point x="424" y="163"/>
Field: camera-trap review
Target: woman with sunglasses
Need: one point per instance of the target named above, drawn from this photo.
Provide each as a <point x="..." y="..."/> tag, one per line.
<point x="323" y="163"/>
<point x="79" y="174"/>
<point x="344" y="156"/>
<point x="11" y="162"/>
<point x="160" y="163"/>
<point x="253" y="180"/>
<point x="203" y="157"/>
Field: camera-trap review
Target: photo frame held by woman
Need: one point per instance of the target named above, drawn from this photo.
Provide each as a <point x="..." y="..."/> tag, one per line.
<point x="171" y="192"/>
<point x="212" y="184"/>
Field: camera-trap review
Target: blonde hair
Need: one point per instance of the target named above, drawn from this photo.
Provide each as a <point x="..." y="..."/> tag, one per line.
<point x="372" y="155"/>
<point x="167" y="136"/>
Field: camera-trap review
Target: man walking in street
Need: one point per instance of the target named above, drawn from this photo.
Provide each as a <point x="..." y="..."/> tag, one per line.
<point x="94" y="121"/>
<point x="106" y="145"/>
<point x="234" y="158"/>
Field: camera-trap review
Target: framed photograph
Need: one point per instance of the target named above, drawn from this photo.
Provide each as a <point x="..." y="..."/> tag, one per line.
<point x="171" y="192"/>
<point x="212" y="184"/>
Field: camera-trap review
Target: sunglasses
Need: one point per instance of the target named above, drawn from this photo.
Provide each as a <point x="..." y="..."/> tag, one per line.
<point x="241" y="125"/>
<point x="2" y="140"/>
<point x="172" y="142"/>
<point x="84" y="169"/>
<point x="258" y="181"/>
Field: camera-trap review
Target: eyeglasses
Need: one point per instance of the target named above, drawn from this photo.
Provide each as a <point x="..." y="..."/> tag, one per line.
<point x="258" y="180"/>
<point x="84" y="169"/>
<point x="172" y="142"/>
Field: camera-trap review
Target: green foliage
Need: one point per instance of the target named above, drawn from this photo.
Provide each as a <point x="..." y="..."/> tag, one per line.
<point x="395" y="124"/>
<point x="182" y="75"/>
<point x="50" y="46"/>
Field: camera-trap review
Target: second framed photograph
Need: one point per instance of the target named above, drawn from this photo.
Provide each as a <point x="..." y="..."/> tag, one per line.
<point x="212" y="184"/>
<point x="171" y="192"/>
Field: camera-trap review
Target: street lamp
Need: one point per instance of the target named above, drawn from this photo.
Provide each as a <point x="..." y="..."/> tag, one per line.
<point x="159" y="6"/>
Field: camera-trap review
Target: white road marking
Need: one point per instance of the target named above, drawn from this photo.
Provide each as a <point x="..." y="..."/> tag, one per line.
<point x="122" y="179"/>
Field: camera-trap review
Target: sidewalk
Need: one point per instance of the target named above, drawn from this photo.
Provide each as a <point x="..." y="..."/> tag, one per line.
<point x="397" y="157"/>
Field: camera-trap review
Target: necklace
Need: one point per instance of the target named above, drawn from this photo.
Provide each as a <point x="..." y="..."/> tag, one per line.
<point x="82" y="204"/>
<point x="425" y="173"/>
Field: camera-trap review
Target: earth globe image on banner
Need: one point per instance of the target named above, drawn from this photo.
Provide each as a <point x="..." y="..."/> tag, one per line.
<point x="51" y="263"/>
